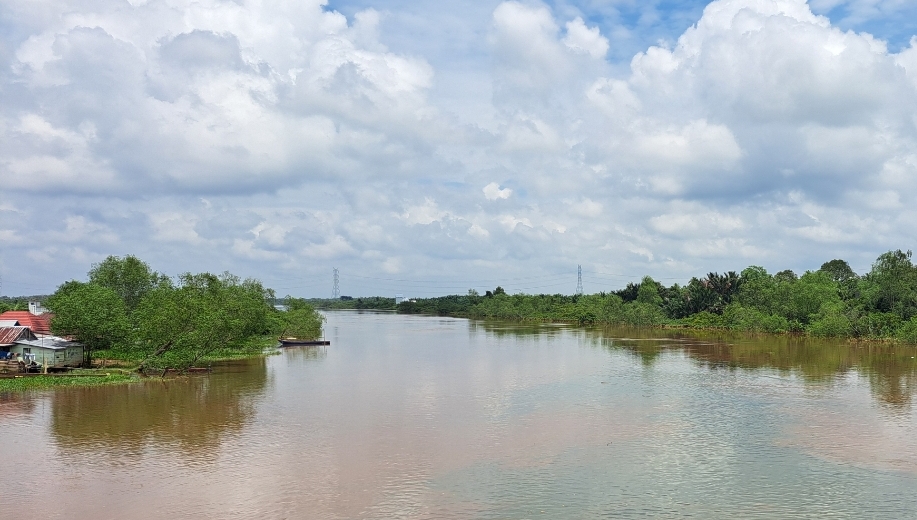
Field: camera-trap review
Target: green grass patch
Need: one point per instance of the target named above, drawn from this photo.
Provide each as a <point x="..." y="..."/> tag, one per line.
<point x="42" y="382"/>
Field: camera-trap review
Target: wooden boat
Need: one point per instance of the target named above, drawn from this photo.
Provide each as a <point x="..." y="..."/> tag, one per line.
<point x="294" y="342"/>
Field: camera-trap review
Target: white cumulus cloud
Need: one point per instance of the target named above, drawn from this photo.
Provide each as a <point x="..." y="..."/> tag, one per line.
<point x="363" y="142"/>
<point x="493" y="192"/>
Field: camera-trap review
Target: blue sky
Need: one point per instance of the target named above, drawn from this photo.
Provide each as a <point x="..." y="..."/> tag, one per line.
<point x="646" y="22"/>
<point x="427" y="148"/>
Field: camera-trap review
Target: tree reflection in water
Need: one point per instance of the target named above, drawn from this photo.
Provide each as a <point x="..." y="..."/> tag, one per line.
<point x="891" y="369"/>
<point x="304" y="354"/>
<point x="190" y="414"/>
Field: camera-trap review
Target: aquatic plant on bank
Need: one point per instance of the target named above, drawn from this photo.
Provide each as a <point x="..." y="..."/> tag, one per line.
<point x="42" y="382"/>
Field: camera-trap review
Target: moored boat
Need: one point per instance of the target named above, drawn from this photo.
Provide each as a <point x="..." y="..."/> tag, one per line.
<point x="295" y="342"/>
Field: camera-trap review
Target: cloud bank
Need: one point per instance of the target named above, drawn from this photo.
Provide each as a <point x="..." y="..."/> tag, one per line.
<point x="279" y="140"/>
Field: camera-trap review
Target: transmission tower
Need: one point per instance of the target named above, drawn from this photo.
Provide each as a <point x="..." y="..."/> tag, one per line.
<point x="579" y="279"/>
<point x="336" y="292"/>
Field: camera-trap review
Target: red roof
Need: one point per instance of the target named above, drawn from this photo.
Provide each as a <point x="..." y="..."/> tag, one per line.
<point x="38" y="324"/>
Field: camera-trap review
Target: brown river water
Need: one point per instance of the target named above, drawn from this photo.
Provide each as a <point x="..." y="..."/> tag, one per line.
<point x="408" y="417"/>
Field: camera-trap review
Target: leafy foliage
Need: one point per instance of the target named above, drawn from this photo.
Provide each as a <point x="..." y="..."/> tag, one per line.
<point x="300" y="320"/>
<point x="846" y="279"/>
<point x="13" y="304"/>
<point x="891" y="285"/>
<point x="832" y="301"/>
<point x="135" y="313"/>
<point x="93" y="315"/>
<point x="831" y="320"/>
<point x="179" y="325"/>
<point x="908" y="331"/>
<point x="129" y="277"/>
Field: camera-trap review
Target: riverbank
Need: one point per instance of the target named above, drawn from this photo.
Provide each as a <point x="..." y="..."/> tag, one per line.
<point x="131" y="359"/>
<point x="29" y="382"/>
<point x="119" y="367"/>
<point x="831" y="318"/>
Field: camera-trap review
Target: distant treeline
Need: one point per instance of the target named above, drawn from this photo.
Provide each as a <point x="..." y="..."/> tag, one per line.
<point x="348" y="302"/>
<point x="832" y="301"/>
<point x="19" y="303"/>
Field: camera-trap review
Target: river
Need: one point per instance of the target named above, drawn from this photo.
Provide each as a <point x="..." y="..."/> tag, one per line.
<point x="422" y="417"/>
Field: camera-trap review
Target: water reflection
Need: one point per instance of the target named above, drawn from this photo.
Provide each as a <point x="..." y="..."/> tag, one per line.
<point x="502" y="329"/>
<point x="414" y="417"/>
<point x="192" y="414"/>
<point x="891" y="369"/>
<point x="304" y="354"/>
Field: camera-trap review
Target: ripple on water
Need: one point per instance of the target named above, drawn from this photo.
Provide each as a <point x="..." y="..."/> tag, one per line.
<point x="417" y="418"/>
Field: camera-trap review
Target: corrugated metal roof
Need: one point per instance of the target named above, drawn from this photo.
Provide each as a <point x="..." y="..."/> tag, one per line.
<point x="50" y="342"/>
<point x="38" y="324"/>
<point x="10" y="335"/>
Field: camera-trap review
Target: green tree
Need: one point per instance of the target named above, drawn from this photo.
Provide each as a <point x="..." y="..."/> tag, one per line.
<point x="10" y="304"/>
<point x="300" y="320"/>
<point x="725" y="286"/>
<point x="129" y="277"/>
<point x="179" y="325"/>
<point x="642" y="314"/>
<point x="699" y="297"/>
<point x="831" y="320"/>
<point x="908" y="331"/>
<point x="845" y="277"/>
<point x="646" y="310"/>
<point x="757" y="290"/>
<point x="93" y="315"/>
<point x="787" y="275"/>
<point x="629" y="292"/>
<point x="807" y="295"/>
<point x="751" y="319"/>
<point x="648" y="292"/>
<point x="711" y="294"/>
<point x="891" y="285"/>
<point x="838" y="270"/>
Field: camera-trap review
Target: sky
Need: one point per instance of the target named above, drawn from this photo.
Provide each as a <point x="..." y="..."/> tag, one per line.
<point x="426" y="148"/>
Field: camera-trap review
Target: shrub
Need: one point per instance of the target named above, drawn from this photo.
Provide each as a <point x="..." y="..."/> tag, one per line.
<point x="830" y="321"/>
<point x="739" y="317"/>
<point x="876" y="325"/>
<point x="705" y="320"/>
<point x="643" y="314"/>
<point x="908" y="331"/>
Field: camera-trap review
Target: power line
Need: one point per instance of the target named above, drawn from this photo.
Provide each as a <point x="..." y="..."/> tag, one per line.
<point x="633" y="277"/>
<point x="474" y="282"/>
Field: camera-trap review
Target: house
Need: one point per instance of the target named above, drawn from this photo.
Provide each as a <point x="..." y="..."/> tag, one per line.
<point x="39" y="324"/>
<point x="35" y="307"/>
<point x="49" y="351"/>
<point x="10" y="334"/>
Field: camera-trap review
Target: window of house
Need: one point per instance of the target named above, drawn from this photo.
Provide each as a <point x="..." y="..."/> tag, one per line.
<point x="26" y="350"/>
